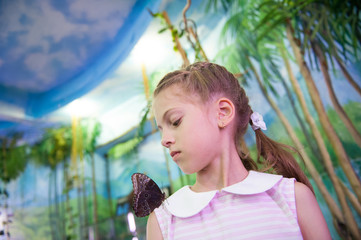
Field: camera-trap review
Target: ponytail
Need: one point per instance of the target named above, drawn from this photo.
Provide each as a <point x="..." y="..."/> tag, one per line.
<point x="278" y="157"/>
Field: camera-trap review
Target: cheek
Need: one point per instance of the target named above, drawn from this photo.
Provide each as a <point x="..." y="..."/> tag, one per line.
<point x="202" y="140"/>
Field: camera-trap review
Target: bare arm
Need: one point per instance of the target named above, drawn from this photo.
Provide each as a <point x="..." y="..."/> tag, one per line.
<point x="153" y="229"/>
<point x="310" y="218"/>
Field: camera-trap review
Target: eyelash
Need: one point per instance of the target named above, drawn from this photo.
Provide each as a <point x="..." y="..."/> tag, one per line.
<point x="176" y="123"/>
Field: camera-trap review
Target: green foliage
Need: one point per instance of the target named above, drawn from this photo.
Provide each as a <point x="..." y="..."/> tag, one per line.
<point x="184" y="180"/>
<point x="216" y="5"/>
<point x="53" y="148"/>
<point x="353" y="110"/>
<point x="144" y="118"/>
<point x="245" y="52"/>
<point x="104" y="209"/>
<point x="257" y="27"/>
<point x="13" y="158"/>
<point x="124" y="148"/>
<point x="91" y="130"/>
<point x="334" y="25"/>
<point x="31" y="224"/>
<point x="175" y="33"/>
<point x="178" y="34"/>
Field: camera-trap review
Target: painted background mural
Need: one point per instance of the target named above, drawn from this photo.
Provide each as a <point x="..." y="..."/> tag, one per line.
<point x="75" y="93"/>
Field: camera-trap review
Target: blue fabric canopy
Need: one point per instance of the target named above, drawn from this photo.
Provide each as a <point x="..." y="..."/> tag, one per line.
<point x="40" y="78"/>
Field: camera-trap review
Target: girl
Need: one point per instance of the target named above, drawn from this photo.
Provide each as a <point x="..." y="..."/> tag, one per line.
<point x="203" y="113"/>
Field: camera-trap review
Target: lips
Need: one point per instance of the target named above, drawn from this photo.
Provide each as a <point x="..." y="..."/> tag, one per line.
<point x="174" y="154"/>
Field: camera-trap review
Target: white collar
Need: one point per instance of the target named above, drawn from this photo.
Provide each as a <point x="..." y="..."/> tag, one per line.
<point x="185" y="202"/>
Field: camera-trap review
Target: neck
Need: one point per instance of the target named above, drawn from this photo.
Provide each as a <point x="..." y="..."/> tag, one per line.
<point x="228" y="169"/>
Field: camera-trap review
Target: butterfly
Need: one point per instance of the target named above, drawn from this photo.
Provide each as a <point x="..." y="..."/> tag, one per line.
<point x="147" y="195"/>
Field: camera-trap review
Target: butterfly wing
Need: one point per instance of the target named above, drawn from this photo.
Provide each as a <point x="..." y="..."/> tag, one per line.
<point x="139" y="181"/>
<point x="147" y="195"/>
<point x="146" y="202"/>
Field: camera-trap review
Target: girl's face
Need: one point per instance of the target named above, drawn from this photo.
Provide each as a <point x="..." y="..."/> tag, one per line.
<point x="189" y="128"/>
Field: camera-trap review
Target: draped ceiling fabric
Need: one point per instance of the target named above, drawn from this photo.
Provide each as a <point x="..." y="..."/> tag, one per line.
<point x="52" y="52"/>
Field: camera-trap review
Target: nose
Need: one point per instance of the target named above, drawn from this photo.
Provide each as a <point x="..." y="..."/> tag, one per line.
<point x="167" y="140"/>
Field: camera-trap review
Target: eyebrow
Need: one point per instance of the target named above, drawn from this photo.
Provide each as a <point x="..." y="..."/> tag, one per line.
<point x="166" y="114"/>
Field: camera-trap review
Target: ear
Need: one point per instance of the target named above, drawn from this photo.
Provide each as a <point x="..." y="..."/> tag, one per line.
<point x="225" y="112"/>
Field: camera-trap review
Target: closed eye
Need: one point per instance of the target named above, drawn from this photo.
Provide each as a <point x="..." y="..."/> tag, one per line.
<point x="176" y="123"/>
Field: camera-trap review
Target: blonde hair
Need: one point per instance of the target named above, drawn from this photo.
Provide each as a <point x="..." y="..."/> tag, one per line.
<point x="208" y="79"/>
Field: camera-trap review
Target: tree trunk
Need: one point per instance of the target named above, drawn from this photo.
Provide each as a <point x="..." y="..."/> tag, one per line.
<point x="197" y="47"/>
<point x="347" y="74"/>
<point x="82" y="202"/>
<point x="69" y="228"/>
<point x="5" y="178"/>
<point x="338" y="108"/>
<point x="351" y="197"/>
<point x="76" y="181"/>
<point x="322" y="146"/>
<point x="308" y="137"/>
<point x="6" y="224"/>
<point x="179" y="46"/>
<point x="326" y="124"/>
<point x="109" y="193"/>
<point x="50" y="214"/>
<point x="85" y="204"/>
<point x="78" y="198"/>
<point x="95" y="202"/>
<point x="57" y="212"/>
<point x="63" y="210"/>
<point x="311" y="168"/>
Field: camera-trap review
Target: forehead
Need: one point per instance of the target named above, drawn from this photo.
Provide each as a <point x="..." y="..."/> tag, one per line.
<point x="174" y="96"/>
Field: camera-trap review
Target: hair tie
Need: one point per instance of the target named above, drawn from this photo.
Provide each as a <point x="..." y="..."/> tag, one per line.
<point x="257" y="121"/>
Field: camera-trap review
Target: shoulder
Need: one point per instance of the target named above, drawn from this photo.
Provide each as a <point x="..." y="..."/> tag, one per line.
<point x="304" y="196"/>
<point x="310" y="217"/>
<point x="153" y="229"/>
<point x="302" y="189"/>
<point x="305" y="199"/>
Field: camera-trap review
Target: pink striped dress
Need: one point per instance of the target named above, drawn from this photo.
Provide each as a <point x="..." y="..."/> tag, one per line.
<point x="262" y="206"/>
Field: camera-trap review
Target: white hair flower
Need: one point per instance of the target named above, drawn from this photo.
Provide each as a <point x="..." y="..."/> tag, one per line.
<point x="257" y="121"/>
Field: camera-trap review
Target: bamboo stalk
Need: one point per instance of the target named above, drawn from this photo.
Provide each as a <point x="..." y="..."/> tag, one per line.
<point x="347" y="74"/>
<point x="329" y="130"/>
<point x="319" y="140"/>
<point x="338" y="108"/>
<point x="199" y="44"/>
<point x="176" y="39"/>
<point x="356" y="204"/>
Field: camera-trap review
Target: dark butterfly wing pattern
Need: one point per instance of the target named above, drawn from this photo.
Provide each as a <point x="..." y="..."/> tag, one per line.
<point x="147" y="195"/>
